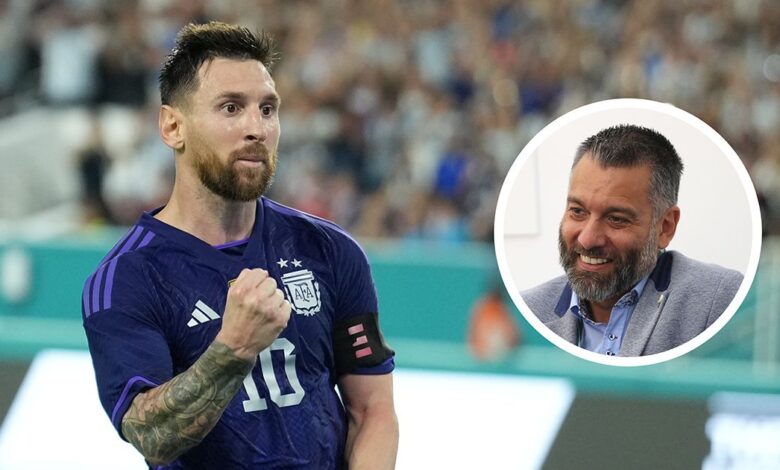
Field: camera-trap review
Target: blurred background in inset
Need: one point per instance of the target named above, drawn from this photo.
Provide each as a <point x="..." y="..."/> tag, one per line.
<point x="400" y="120"/>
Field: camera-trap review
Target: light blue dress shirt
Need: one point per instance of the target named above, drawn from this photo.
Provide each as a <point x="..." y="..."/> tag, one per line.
<point x="607" y="338"/>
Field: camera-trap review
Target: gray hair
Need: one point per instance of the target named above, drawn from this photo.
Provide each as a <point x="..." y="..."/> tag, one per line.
<point x="627" y="146"/>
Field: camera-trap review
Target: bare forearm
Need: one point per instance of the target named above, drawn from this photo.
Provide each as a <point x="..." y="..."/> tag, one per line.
<point x="167" y="420"/>
<point x="373" y="440"/>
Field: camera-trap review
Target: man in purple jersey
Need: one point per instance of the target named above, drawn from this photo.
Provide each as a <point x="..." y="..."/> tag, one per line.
<point x="221" y="324"/>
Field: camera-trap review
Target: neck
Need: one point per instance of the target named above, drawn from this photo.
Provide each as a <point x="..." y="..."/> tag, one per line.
<point x="194" y="209"/>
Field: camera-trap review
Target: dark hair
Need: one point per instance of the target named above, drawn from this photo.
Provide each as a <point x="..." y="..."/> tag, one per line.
<point x="628" y="145"/>
<point x="199" y="43"/>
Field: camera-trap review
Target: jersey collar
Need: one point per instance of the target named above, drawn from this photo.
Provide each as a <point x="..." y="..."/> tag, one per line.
<point x="252" y="255"/>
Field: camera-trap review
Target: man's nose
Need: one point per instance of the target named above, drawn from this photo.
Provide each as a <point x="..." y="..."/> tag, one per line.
<point x="256" y="126"/>
<point x="592" y="235"/>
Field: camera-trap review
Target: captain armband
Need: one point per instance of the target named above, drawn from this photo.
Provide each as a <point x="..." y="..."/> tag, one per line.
<point x="358" y="343"/>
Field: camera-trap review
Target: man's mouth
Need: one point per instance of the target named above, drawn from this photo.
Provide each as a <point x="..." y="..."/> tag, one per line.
<point x="251" y="158"/>
<point x="591" y="260"/>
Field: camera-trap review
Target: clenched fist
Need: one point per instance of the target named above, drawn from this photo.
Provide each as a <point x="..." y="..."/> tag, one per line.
<point x="255" y="313"/>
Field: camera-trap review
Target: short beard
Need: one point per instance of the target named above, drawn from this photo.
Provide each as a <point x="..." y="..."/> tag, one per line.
<point x="225" y="180"/>
<point x="628" y="270"/>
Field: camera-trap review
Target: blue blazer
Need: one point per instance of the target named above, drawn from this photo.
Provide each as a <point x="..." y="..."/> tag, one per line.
<point x="681" y="299"/>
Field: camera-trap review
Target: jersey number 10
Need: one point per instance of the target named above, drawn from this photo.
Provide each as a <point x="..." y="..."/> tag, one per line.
<point x="255" y="402"/>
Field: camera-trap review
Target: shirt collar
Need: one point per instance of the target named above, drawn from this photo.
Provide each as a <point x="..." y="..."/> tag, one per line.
<point x="629" y="298"/>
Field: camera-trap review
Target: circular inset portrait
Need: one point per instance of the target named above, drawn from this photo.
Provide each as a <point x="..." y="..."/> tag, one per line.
<point x="627" y="232"/>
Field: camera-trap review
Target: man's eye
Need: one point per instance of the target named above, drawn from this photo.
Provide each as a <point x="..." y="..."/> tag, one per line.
<point x="576" y="212"/>
<point x="230" y="108"/>
<point x="267" y="110"/>
<point x="617" y="220"/>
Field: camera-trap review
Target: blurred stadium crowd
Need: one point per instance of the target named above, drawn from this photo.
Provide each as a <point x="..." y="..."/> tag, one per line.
<point x="400" y="118"/>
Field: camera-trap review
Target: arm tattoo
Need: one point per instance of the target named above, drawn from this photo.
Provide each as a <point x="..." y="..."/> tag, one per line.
<point x="167" y="420"/>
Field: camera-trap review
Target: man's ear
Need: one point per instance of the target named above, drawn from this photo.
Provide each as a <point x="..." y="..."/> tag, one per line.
<point x="171" y="127"/>
<point x="667" y="226"/>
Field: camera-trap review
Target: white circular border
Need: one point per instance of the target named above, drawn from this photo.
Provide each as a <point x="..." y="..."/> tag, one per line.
<point x="623" y="104"/>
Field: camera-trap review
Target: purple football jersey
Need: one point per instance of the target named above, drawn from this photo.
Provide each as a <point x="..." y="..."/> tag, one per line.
<point x="155" y="303"/>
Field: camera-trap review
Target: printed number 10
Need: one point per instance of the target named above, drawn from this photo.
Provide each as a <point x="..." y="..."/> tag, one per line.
<point x="255" y="403"/>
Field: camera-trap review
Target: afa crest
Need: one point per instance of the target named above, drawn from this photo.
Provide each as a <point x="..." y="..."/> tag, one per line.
<point x="303" y="292"/>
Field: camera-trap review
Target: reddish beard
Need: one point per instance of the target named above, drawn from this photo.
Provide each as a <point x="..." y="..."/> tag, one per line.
<point x="231" y="181"/>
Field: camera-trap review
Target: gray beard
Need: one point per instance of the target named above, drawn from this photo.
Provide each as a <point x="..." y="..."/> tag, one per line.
<point x="599" y="287"/>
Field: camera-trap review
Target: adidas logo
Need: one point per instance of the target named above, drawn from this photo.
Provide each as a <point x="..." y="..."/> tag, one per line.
<point x="202" y="314"/>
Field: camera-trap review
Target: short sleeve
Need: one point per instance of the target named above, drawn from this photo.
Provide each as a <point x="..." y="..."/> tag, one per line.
<point x="354" y="285"/>
<point x="357" y="313"/>
<point x="126" y="340"/>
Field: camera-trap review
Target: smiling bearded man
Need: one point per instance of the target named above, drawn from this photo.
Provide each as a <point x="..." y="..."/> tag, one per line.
<point x="622" y="293"/>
